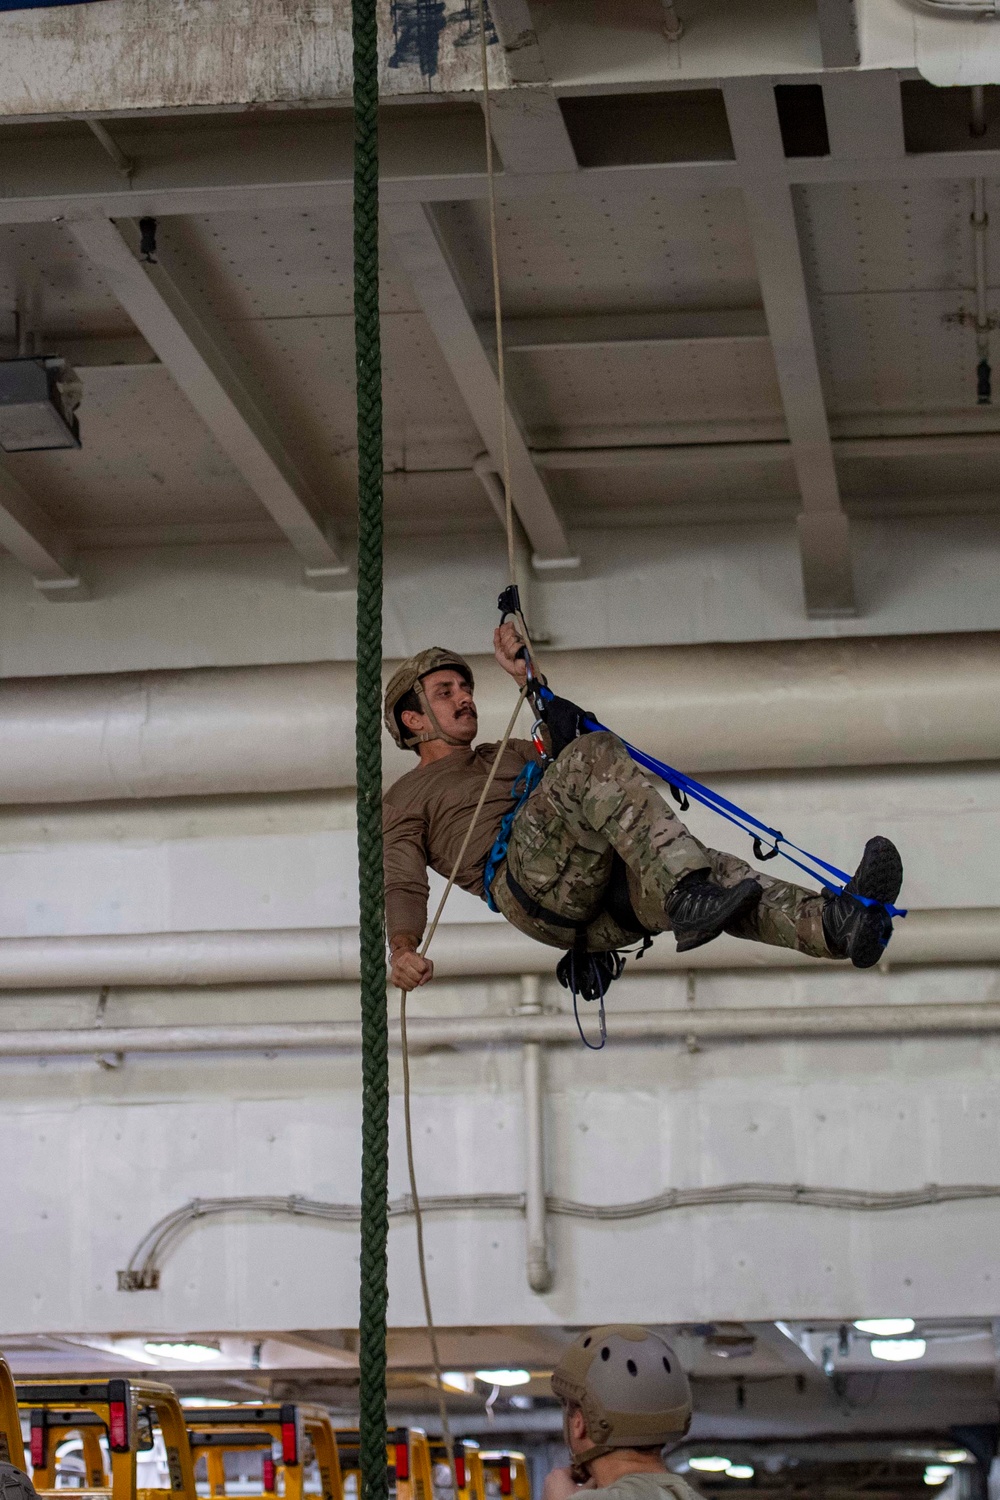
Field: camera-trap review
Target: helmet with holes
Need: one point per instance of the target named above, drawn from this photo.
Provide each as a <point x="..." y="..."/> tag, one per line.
<point x="629" y="1385"/>
<point x="409" y="677"/>
<point x="15" y="1484"/>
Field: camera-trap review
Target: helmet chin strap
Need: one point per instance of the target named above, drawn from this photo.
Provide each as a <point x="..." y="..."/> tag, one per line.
<point x="437" y="733"/>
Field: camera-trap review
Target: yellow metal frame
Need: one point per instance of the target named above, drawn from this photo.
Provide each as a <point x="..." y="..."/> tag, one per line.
<point x="97" y="1476"/>
<point x="520" y="1477"/>
<point x="420" y="1484"/>
<point x="475" y="1477"/>
<point x="312" y="1421"/>
<point x="59" y="1396"/>
<point x="11" y="1442"/>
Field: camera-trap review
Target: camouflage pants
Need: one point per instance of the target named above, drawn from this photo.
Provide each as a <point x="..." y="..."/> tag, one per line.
<point x="593" y="802"/>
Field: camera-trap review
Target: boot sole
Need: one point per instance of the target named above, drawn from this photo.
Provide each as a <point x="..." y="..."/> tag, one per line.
<point x="879" y="877"/>
<point x="738" y="907"/>
<point x="871" y="938"/>
<point x="880" y="873"/>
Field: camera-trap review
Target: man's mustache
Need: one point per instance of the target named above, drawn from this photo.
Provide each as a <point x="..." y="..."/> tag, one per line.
<point x="467" y="713"/>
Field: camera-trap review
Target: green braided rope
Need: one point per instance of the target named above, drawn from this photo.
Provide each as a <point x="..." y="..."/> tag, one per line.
<point x="374" y="1013"/>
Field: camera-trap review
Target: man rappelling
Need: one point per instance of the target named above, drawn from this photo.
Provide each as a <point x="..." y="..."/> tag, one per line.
<point x="593" y="858"/>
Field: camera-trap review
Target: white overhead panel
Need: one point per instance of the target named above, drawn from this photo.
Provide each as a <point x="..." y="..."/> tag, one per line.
<point x="632" y="393"/>
<point x="427" y="262"/>
<point x="674" y="489"/>
<point x="149" y="471"/>
<point x="661" y="250"/>
<point x="189" y="348"/>
<point x="281" y="288"/>
<point x="823" y="527"/>
<point x="890" y="268"/>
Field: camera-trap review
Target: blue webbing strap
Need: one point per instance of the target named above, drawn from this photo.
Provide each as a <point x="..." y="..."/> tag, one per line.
<point x="527" y="779"/>
<point x="745" y="821"/>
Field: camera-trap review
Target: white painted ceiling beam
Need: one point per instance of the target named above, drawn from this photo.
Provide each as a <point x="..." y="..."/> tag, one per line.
<point x="94" y="351"/>
<point x="527" y="124"/>
<point x="823" y="527"/>
<point x="240" y="166"/>
<point x="838" y="33"/>
<point x="530" y="133"/>
<point x="864" y="116"/>
<point x="962" y="445"/>
<point x="189" y="347"/>
<point x="426" y="261"/>
<point x="601" y="330"/>
<point x="516" y="30"/>
<point x="28" y="534"/>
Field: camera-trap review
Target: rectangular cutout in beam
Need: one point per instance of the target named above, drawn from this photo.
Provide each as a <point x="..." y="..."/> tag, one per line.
<point x="622" y="130"/>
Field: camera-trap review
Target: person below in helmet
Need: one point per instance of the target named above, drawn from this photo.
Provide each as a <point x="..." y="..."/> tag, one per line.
<point x="625" y="1397"/>
<point x="596" y="859"/>
<point x="15" y="1484"/>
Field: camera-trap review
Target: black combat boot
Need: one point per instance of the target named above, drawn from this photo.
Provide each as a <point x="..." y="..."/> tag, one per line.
<point x="853" y="930"/>
<point x="699" y="910"/>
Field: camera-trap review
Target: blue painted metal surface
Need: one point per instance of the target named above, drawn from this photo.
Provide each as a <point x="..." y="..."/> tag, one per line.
<point x="38" y="4"/>
<point x="417" y="26"/>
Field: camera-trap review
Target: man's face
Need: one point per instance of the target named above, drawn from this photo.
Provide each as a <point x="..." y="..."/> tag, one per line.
<point x="454" y="708"/>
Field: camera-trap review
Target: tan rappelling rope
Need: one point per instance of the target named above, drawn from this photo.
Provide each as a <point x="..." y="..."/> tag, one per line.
<point x="497" y="307"/>
<point x="512" y="569"/>
<point x="418" y="1217"/>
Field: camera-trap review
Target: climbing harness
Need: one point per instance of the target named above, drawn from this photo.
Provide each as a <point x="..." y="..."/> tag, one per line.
<point x="527" y="779"/>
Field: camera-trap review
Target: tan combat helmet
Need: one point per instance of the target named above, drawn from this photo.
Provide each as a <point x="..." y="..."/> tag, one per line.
<point x="409" y="678"/>
<point x="629" y="1385"/>
<point x="15" y="1484"/>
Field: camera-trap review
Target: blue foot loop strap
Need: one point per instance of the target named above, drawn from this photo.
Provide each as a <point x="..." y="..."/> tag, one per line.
<point x="828" y="876"/>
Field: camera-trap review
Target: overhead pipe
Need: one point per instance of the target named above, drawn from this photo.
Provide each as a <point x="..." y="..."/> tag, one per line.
<point x="887" y="700"/>
<point x="539" y="1267"/>
<point x="320" y="955"/>
<point x="960" y="10"/>
<point x="813" y="1023"/>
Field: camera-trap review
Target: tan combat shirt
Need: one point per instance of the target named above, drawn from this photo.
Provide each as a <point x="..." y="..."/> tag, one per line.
<point x="646" y="1487"/>
<point x="425" y="816"/>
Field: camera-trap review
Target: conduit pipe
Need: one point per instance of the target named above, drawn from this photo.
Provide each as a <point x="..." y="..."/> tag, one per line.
<point x="539" y="1267"/>
<point x="762" y="706"/>
<point x="980" y="228"/>
<point x="475" y="949"/>
<point x="813" y="1022"/>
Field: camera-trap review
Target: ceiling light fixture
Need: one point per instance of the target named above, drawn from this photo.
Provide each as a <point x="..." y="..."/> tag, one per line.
<point x="710" y="1465"/>
<point x="938" y="1473"/>
<point x="740" y="1471"/>
<point x="886" y="1328"/>
<point x="38" y="401"/>
<point x="503" y="1377"/>
<point x="456" y="1380"/>
<point x="898" y="1350"/>
<point x="192" y="1354"/>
